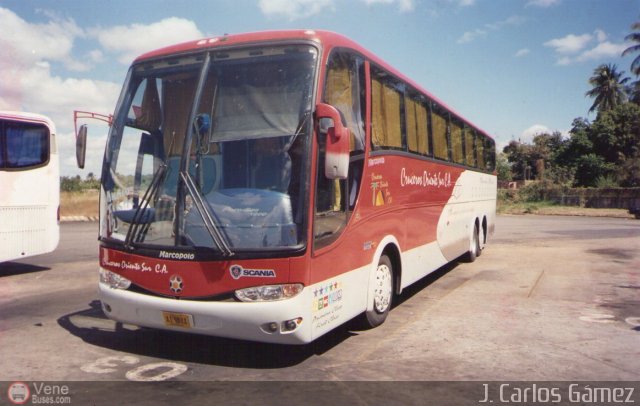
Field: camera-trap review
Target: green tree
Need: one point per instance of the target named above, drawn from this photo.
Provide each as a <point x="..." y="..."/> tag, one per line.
<point x="591" y="167"/>
<point x="503" y="169"/>
<point x="71" y="184"/>
<point x="608" y="88"/>
<point x="524" y="159"/>
<point x="634" y="92"/>
<point x="616" y="137"/>
<point x="616" y="133"/>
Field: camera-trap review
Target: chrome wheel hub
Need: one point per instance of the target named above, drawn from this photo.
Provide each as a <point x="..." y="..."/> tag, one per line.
<point x="383" y="288"/>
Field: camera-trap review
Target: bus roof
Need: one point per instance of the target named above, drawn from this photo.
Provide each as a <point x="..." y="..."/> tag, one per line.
<point x="325" y="38"/>
<point x="29" y="117"/>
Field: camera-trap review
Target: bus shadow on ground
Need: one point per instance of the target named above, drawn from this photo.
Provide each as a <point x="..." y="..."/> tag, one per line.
<point x="412" y="290"/>
<point x="93" y="327"/>
<point x="17" y="268"/>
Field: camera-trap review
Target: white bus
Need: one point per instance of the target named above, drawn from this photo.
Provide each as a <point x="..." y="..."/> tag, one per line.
<point x="29" y="186"/>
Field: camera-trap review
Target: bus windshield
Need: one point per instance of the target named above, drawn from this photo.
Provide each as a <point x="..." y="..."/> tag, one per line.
<point x="212" y="150"/>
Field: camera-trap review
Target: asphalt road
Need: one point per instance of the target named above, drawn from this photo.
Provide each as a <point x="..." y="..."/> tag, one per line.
<point x="551" y="298"/>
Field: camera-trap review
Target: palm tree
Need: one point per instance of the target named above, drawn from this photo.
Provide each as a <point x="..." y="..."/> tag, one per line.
<point x="634" y="37"/>
<point x="633" y="90"/>
<point x="608" y="88"/>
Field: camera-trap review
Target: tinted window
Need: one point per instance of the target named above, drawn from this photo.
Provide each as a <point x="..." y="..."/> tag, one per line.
<point x="439" y="128"/>
<point x="386" y="117"/>
<point x="416" y="119"/>
<point x="23" y="145"/>
<point x="469" y="147"/>
<point x="456" y="143"/>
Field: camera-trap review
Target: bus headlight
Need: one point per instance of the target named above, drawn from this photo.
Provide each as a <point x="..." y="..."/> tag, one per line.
<point x="269" y="293"/>
<point x="113" y="280"/>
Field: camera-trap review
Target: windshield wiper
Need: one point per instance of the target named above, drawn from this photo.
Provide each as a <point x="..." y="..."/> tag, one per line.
<point x="143" y="216"/>
<point x="210" y="221"/>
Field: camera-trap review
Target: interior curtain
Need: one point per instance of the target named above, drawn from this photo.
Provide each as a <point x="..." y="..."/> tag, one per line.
<point x="385" y="111"/>
<point x="439" y="127"/>
<point x="177" y="99"/>
<point x="150" y="117"/>
<point x="456" y="143"/>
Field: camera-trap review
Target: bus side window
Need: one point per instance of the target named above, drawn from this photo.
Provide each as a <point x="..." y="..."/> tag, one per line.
<point x="480" y="151"/>
<point x="490" y="154"/>
<point x="386" y="112"/>
<point x="456" y="142"/>
<point x="416" y="123"/>
<point x="344" y="90"/>
<point x="439" y="128"/>
<point x="470" y="147"/>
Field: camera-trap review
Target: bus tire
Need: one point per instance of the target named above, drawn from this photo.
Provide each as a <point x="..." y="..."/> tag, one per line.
<point x="382" y="294"/>
<point x="480" y="240"/>
<point x="474" y="245"/>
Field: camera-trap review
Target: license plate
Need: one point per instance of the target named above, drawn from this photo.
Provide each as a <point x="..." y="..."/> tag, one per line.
<point x="177" y="319"/>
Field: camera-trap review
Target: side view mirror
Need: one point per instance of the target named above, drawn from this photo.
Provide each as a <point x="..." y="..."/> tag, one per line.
<point x="81" y="134"/>
<point x="337" y="153"/>
<point x="81" y="146"/>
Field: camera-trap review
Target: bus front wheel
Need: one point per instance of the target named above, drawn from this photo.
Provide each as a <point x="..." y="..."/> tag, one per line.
<point x="382" y="293"/>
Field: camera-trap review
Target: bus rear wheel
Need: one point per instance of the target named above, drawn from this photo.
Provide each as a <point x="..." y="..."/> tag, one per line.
<point x="382" y="294"/>
<point x="474" y="245"/>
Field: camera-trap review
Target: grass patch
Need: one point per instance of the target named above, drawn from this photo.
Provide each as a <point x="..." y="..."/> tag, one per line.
<point x="83" y="203"/>
<point x="548" y="208"/>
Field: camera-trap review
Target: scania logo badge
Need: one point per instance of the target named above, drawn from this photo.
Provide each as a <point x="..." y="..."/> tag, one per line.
<point x="236" y="271"/>
<point x="176" y="284"/>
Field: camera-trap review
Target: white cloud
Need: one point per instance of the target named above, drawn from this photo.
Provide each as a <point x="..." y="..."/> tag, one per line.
<point x="564" y="61"/>
<point x="522" y="52"/>
<point x="135" y="39"/>
<point x="404" y="6"/>
<point x="602" y="50"/>
<point x="27" y="43"/>
<point x="25" y="69"/>
<point x="536" y="129"/>
<point x="601" y="36"/>
<point x="294" y="9"/>
<point x="463" y="3"/>
<point x="470" y="36"/>
<point x="542" y="3"/>
<point x="27" y="82"/>
<point x="580" y="48"/>
<point x="569" y="44"/>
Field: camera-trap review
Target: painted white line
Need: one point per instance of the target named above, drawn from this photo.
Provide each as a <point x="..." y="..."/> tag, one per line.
<point x="141" y="374"/>
<point x="597" y="318"/>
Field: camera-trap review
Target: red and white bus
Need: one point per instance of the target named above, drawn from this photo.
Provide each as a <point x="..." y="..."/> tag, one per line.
<point x="272" y="186"/>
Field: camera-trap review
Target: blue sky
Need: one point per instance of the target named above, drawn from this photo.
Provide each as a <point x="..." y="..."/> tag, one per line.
<point x="512" y="67"/>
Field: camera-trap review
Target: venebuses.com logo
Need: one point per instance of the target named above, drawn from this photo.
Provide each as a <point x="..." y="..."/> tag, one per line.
<point x="19" y="393"/>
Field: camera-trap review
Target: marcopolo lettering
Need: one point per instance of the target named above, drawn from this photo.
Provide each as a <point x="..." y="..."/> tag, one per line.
<point x="238" y="272"/>
<point x="176" y="255"/>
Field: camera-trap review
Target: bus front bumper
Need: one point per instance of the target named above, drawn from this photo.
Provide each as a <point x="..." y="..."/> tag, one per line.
<point x="246" y="321"/>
